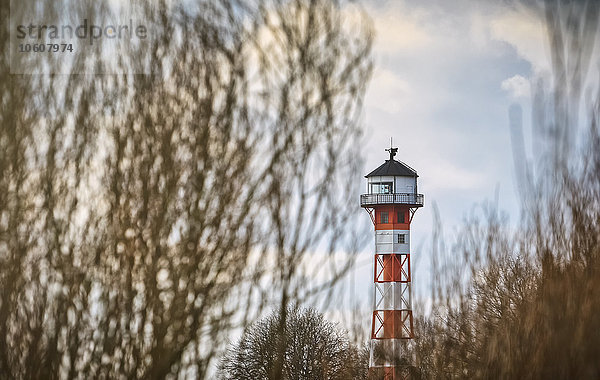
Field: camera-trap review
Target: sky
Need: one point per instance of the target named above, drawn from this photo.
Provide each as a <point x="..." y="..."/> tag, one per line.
<point x="445" y="75"/>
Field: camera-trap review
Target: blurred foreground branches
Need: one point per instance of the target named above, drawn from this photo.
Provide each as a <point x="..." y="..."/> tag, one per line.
<point x="530" y="306"/>
<point x="142" y="217"/>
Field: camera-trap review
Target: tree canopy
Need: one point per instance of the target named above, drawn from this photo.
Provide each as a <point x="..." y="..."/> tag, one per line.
<point x="314" y="349"/>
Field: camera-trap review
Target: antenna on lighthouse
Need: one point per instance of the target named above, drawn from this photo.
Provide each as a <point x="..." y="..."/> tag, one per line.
<point x="392" y="150"/>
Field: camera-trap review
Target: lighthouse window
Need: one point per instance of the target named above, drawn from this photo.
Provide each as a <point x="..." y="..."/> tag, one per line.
<point x="401" y="238"/>
<point x="381" y="188"/>
<point x="384" y="217"/>
<point x="401" y="217"/>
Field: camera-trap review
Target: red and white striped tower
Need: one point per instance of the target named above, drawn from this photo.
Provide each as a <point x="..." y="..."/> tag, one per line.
<point x="391" y="201"/>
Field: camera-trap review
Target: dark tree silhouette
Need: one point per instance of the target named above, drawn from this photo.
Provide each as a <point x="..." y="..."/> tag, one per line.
<point x="314" y="349"/>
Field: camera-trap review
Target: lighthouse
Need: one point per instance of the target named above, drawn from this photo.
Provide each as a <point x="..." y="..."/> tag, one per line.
<point x="391" y="201"/>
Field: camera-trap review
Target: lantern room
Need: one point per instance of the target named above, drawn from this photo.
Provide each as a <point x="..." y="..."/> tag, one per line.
<point x="393" y="182"/>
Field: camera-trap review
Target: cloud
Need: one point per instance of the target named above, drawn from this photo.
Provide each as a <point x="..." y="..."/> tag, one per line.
<point x="524" y="31"/>
<point x="389" y="91"/>
<point x="399" y="30"/>
<point x="517" y="87"/>
<point x="444" y="175"/>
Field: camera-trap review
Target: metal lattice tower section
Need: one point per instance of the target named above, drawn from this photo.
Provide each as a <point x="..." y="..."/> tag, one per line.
<point x="391" y="201"/>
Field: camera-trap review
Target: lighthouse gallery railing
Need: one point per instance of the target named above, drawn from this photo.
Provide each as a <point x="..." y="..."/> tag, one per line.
<point x="397" y="198"/>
